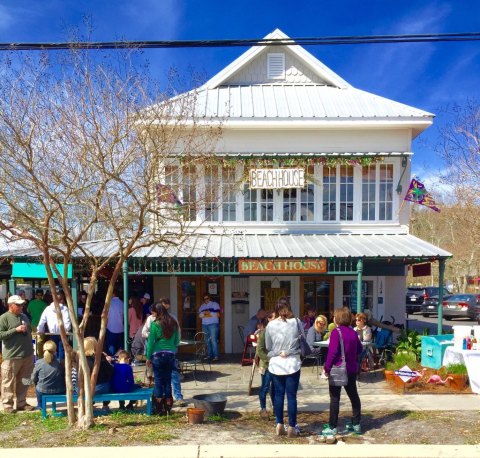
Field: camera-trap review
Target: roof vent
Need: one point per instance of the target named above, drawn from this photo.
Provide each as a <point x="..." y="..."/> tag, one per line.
<point x="276" y="65"/>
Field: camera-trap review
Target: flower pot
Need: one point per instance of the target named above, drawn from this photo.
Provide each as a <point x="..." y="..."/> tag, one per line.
<point x="195" y="416"/>
<point x="457" y="381"/>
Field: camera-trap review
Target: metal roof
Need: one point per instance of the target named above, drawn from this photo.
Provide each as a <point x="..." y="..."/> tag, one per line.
<point x="295" y="102"/>
<point x="340" y="245"/>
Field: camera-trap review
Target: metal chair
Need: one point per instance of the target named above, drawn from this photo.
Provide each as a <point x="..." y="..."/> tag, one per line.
<point x="317" y="361"/>
<point x="197" y="359"/>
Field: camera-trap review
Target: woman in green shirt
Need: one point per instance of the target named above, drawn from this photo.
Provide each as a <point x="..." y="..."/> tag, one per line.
<point x="162" y="346"/>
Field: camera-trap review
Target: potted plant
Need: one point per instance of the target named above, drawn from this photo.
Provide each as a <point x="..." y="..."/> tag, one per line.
<point x="458" y="376"/>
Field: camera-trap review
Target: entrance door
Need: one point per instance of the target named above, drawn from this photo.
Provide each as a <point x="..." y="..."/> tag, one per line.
<point x="318" y="292"/>
<point x="191" y="291"/>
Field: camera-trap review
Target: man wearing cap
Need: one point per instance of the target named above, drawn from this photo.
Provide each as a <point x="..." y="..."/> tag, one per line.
<point x="16" y="335"/>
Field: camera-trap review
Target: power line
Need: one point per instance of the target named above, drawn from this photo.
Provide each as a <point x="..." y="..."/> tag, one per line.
<point x="319" y="41"/>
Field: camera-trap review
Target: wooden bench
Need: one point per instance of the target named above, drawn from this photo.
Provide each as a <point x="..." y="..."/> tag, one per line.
<point x="141" y="394"/>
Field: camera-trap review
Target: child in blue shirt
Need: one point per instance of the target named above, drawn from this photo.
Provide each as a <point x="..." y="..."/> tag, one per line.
<point x="122" y="380"/>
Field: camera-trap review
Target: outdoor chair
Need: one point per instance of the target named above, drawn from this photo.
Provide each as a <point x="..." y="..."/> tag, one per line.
<point x="317" y="361"/>
<point x="197" y="359"/>
<point x="249" y="349"/>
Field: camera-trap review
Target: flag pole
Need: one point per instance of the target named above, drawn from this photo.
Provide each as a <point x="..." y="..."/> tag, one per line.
<point x="403" y="200"/>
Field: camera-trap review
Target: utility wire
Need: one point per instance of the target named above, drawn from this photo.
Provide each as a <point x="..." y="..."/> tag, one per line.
<point x="325" y="41"/>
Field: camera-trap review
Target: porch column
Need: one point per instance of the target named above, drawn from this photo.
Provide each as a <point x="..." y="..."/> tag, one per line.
<point x="441" y="275"/>
<point x="11" y="286"/>
<point x="125" y="303"/>
<point x="359" y="284"/>
<point x="74" y="291"/>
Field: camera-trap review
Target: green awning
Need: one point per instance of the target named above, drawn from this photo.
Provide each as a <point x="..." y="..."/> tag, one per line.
<point x="36" y="270"/>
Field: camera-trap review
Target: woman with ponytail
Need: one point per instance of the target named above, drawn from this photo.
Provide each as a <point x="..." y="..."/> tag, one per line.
<point x="48" y="374"/>
<point x="282" y="343"/>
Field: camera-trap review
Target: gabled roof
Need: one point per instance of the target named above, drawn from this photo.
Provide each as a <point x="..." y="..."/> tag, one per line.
<point x="320" y="99"/>
<point x="312" y="62"/>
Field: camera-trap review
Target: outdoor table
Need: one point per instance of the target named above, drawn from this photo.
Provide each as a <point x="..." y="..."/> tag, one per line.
<point x="325" y="343"/>
<point x="471" y="359"/>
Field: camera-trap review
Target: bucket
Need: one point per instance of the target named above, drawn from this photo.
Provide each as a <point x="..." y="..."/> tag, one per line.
<point x="459" y="333"/>
<point x="195" y="416"/>
<point x="213" y="404"/>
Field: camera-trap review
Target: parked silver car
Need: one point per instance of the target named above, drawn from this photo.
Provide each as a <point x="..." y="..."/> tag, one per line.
<point x="462" y="305"/>
<point x="430" y="305"/>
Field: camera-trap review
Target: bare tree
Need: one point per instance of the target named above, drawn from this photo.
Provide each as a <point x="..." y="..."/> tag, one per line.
<point x="460" y="148"/>
<point x="85" y="148"/>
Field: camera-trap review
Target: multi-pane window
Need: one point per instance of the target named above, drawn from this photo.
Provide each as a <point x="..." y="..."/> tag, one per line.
<point x="368" y="192"/>
<point x="329" y="205"/>
<point x="266" y="204"/>
<point x="211" y="193"/>
<point x="346" y="193"/>
<point x="290" y="204"/>
<point x="189" y="192"/>
<point x="300" y="198"/>
<point x="385" y="198"/>
<point x="229" y="192"/>
<point x="250" y="204"/>
<point x="350" y="294"/>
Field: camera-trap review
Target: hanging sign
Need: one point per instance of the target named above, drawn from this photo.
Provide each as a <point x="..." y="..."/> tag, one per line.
<point x="276" y="178"/>
<point x="282" y="266"/>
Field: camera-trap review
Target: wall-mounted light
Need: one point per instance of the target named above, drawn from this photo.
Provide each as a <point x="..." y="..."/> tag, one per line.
<point x="404" y="166"/>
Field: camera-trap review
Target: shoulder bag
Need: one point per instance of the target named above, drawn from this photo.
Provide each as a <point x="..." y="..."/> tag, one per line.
<point x="338" y="374"/>
<point x="305" y="349"/>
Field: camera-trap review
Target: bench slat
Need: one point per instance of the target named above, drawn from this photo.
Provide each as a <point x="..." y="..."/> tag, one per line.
<point x="143" y="394"/>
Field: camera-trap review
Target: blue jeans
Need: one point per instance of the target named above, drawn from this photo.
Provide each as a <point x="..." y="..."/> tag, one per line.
<point x="163" y="363"/>
<point x="176" y="387"/>
<point x="212" y="332"/>
<point x="267" y="386"/>
<point x="113" y="342"/>
<point x="286" y="384"/>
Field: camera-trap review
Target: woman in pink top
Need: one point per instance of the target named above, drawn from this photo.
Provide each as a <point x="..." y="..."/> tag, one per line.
<point x="135" y="316"/>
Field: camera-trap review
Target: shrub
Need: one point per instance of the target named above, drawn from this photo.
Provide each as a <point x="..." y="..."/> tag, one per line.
<point x="457" y="369"/>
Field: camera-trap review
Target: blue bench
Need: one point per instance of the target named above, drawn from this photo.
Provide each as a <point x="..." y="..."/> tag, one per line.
<point x="141" y="394"/>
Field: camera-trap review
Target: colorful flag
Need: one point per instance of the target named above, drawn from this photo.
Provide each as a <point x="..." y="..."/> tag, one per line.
<point x="165" y="194"/>
<point x="418" y="194"/>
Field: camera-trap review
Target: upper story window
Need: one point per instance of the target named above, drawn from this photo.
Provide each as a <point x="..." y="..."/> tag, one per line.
<point x="331" y="194"/>
<point x="377" y="192"/>
<point x="299" y="203"/>
<point x="257" y="204"/>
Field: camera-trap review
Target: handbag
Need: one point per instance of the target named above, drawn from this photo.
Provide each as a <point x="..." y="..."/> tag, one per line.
<point x="338" y="374"/>
<point x="305" y="349"/>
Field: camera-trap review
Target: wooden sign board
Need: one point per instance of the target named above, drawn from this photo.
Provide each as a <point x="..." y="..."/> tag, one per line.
<point x="282" y="266"/>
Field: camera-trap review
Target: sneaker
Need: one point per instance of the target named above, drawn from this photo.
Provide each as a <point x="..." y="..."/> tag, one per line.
<point x="349" y="427"/>
<point x="353" y="429"/>
<point x="357" y="429"/>
<point x="25" y="408"/>
<point x="329" y="432"/>
<point x="215" y="359"/>
<point x="293" y="431"/>
<point x="264" y="414"/>
<point x="179" y="403"/>
<point x="280" y="430"/>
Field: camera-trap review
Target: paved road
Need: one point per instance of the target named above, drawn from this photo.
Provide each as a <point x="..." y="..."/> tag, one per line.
<point x="419" y="322"/>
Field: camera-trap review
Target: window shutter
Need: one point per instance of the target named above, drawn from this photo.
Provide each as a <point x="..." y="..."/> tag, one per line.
<point x="276" y="66"/>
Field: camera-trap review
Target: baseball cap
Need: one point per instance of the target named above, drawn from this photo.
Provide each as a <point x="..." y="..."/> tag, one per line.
<point x="16" y="300"/>
<point x="146" y="296"/>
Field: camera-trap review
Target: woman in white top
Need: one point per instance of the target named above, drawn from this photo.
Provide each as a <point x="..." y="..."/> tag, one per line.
<point x="282" y="343"/>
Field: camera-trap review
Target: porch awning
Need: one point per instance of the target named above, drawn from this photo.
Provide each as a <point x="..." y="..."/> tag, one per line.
<point x="289" y="245"/>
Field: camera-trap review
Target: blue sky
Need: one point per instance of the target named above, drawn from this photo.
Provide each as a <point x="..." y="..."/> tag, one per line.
<point x="429" y="76"/>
